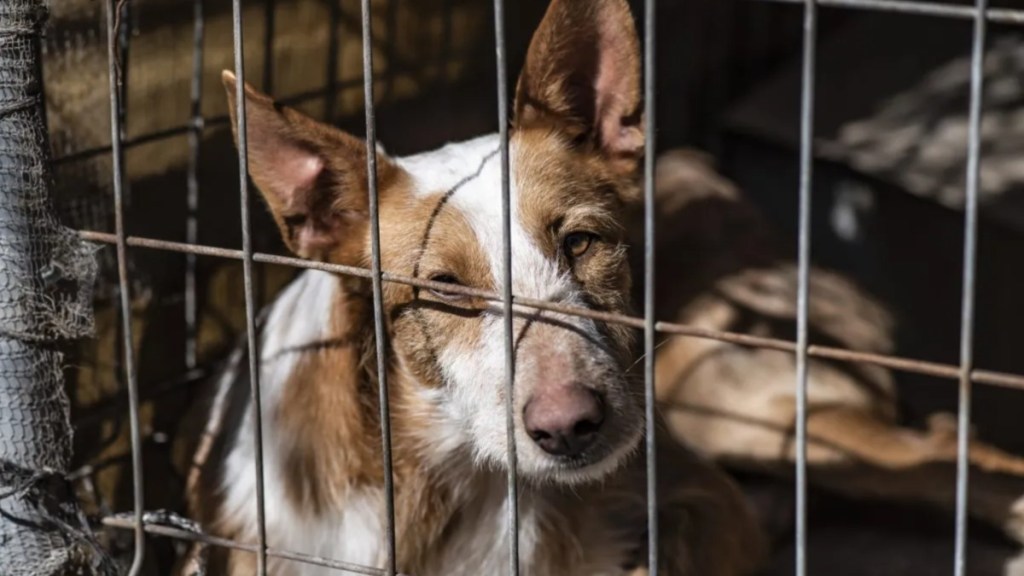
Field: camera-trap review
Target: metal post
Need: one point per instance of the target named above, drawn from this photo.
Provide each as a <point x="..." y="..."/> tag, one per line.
<point x="807" y="91"/>
<point x="114" y="56"/>
<point x="195" y="136"/>
<point x="250" y="299"/>
<point x="967" y="304"/>
<point x="506" y="293"/>
<point x="378" y="298"/>
<point x="650" y="395"/>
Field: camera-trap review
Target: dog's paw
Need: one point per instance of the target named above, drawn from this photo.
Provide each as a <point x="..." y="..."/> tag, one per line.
<point x="944" y="425"/>
<point x="942" y="430"/>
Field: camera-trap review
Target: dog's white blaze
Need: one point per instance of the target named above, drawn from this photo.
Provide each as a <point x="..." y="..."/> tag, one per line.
<point x="477" y="398"/>
<point x="474" y="166"/>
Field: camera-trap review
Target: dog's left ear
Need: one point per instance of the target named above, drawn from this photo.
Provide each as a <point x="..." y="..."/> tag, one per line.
<point x="582" y="73"/>
<point x="312" y="176"/>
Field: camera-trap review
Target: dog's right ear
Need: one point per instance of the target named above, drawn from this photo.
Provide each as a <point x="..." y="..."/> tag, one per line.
<point x="582" y="75"/>
<point x="312" y="176"/>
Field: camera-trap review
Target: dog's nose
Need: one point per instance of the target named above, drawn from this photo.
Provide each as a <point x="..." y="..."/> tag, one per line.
<point x="564" y="421"/>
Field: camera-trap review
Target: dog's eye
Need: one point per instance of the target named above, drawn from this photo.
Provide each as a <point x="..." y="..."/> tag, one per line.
<point x="445" y="279"/>
<point x="577" y="244"/>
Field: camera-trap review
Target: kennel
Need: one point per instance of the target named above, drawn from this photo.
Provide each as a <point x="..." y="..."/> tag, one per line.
<point x="407" y="70"/>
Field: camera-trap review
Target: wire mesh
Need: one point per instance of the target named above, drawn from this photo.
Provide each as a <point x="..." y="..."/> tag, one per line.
<point x="897" y="363"/>
<point x="995" y="15"/>
<point x="803" y="350"/>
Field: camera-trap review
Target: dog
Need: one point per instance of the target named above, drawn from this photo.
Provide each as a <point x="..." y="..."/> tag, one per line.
<point x="736" y="405"/>
<point x="576" y="147"/>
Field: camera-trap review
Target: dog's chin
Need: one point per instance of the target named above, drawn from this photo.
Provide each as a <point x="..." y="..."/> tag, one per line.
<point x="593" y="466"/>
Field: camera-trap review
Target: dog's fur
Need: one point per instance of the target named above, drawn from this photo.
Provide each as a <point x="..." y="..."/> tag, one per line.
<point x="737" y="405"/>
<point x="574" y="156"/>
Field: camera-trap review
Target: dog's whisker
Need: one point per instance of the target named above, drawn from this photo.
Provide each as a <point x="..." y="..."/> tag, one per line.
<point x="644" y="355"/>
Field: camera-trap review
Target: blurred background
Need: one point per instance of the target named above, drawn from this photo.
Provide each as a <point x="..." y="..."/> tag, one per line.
<point x="891" y="134"/>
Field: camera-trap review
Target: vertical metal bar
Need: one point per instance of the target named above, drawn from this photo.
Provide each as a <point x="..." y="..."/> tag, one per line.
<point x="124" y="35"/>
<point x="807" y="90"/>
<point x="250" y="304"/>
<point x="123" y="14"/>
<point x="649" y="319"/>
<point x="447" y="49"/>
<point x="116" y="136"/>
<point x="269" y="14"/>
<point x="269" y="19"/>
<point x="506" y="289"/>
<point x="967" y="310"/>
<point x="195" y="135"/>
<point x="378" y="298"/>
<point x="390" y="48"/>
<point x="124" y="39"/>
<point x="333" y="45"/>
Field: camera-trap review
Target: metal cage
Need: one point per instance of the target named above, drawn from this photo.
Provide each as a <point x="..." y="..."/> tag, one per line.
<point x="964" y="374"/>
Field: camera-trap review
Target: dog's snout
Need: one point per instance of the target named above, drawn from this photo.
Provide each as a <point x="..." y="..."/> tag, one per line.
<point x="564" y="421"/>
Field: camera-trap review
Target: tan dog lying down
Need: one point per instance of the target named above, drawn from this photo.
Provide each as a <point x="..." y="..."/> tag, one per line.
<point x="719" y="268"/>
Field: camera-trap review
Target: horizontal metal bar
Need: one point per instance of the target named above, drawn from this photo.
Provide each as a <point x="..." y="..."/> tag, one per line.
<point x="997" y="15"/>
<point x="117" y="403"/>
<point x="179" y="534"/>
<point x="130" y="143"/>
<point x="898" y="363"/>
<point x="220" y="119"/>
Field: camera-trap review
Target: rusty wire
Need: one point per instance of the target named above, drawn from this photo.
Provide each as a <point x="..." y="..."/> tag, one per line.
<point x="892" y="362"/>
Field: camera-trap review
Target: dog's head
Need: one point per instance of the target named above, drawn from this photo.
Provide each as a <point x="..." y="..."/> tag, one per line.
<point x="575" y="148"/>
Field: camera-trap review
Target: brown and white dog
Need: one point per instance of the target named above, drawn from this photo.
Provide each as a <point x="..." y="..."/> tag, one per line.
<point x="575" y="147"/>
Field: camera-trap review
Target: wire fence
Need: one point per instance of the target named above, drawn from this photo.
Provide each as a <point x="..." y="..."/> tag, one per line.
<point x="964" y="373"/>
